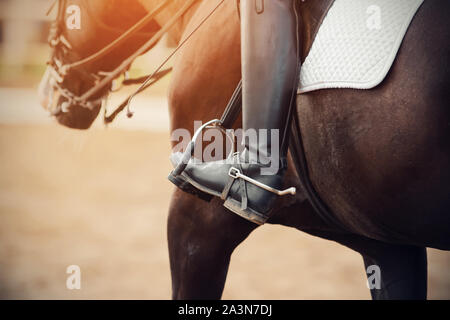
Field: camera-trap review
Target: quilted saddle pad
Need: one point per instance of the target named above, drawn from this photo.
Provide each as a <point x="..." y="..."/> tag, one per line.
<point x="356" y="44"/>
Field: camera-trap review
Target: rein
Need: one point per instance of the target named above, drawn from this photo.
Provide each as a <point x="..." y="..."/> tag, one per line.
<point x="139" y="25"/>
<point x="104" y="79"/>
<point x="157" y="71"/>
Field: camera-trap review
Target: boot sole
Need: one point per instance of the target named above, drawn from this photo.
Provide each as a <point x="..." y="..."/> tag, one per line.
<point x="185" y="186"/>
<point x="189" y="186"/>
<point x="248" y="213"/>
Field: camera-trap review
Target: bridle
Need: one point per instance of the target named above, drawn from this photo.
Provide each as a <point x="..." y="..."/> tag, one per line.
<point x="103" y="81"/>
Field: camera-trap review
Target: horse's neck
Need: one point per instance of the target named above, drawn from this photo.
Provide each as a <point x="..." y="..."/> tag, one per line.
<point x="165" y="15"/>
<point x="312" y="14"/>
<point x="115" y="13"/>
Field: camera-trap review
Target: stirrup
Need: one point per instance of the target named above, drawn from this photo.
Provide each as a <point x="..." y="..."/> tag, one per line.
<point x="175" y="176"/>
<point x="187" y="155"/>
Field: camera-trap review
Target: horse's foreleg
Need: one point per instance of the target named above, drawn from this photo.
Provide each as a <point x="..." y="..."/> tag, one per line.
<point x="202" y="237"/>
<point x="403" y="271"/>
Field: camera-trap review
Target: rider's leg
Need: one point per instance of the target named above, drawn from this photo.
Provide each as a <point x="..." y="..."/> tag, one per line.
<point x="270" y="70"/>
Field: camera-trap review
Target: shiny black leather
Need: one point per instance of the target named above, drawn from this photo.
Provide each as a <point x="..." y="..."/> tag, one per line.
<point x="270" y="67"/>
<point x="212" y="178"/>
<point x="270" y="71"/>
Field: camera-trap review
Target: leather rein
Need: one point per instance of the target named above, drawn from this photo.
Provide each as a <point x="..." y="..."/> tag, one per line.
<point x="104" y="80"/>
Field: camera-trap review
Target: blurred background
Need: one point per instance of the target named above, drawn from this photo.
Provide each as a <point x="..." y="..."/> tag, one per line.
<point x="99" y="199"/>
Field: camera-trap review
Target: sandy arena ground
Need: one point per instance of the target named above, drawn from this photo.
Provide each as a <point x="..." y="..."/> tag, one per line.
<point x="99" y="199"/>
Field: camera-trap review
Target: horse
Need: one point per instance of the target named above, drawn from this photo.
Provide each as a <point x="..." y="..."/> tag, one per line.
<point x="379" y="159"/>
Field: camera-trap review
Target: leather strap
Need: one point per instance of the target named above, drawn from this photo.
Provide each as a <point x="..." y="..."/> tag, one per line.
<point x="243" y="190"/>
<point x="122" y="38"/>
<point x="227" y="188"/>
<point x="233" y="108"/>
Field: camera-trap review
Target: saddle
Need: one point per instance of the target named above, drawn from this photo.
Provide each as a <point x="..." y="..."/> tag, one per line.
<point x="317" y="20"/>
<point x="356" y="42"/>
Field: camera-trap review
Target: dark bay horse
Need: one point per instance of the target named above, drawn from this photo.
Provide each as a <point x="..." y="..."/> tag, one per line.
<point x="380" y="159"/>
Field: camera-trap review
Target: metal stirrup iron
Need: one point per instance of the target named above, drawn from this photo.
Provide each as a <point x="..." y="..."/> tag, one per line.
<point x="191" y="147"/>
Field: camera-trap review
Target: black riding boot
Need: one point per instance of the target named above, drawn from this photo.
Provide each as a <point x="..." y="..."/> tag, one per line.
<point x="270" y="68"/>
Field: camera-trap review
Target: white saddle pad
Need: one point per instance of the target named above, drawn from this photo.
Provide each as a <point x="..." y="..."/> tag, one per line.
<point x="357" y="44"/>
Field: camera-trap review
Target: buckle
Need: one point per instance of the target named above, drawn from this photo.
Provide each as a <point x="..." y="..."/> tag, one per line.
<point x="234" y="173"/>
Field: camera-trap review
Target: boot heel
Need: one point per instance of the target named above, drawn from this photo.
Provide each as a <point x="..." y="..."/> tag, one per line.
<point x="248" y="213"/>
<point x="184" y="185"/>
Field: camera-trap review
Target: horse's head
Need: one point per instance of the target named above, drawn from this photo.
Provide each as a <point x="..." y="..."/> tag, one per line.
<point x="77" y="62"/>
